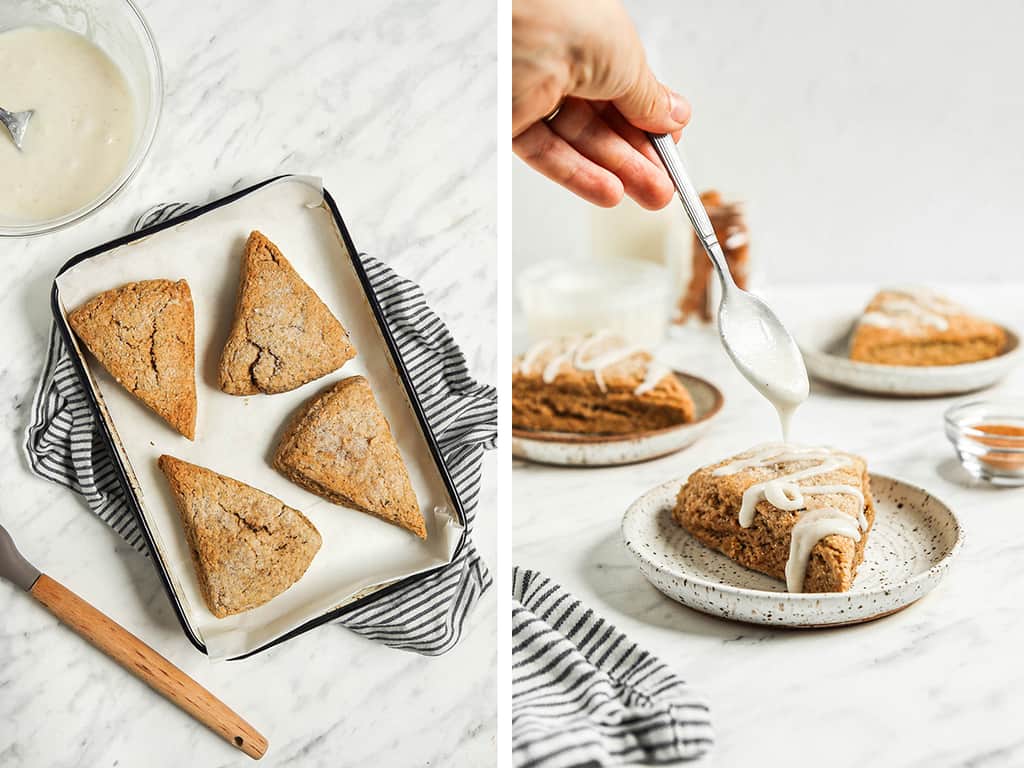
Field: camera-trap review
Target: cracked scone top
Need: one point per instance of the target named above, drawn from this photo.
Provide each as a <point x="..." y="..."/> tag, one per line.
<point x="247" y="546"/>
<point x="143" y="334"/>
<point x="339" y="446"/>
<point x="283" y="335"/>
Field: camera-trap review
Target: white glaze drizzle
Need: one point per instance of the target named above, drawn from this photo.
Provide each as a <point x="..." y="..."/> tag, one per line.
<point x="899" y="322"/>
<point x="850" y="490"/>
<point x="903" y="314"/>
<point x="527" y="361"/>
<point x="554" y="365"/>
<point x="603" y="360"/>
<point x="759" y="456"/>
<point x="811" y="527"/>
<point x="928" y="299"/>
<point x="576" y="354"/>
<point x="785" y="493"/>
<point x="655" y="373"/>
<point x="908" y="309"/>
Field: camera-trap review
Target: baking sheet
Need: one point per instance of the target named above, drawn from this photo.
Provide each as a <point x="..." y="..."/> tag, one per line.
<point x="236" y="436"/>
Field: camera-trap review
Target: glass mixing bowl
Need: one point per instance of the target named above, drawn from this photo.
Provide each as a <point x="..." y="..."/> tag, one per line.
<point x="118" y="27"/>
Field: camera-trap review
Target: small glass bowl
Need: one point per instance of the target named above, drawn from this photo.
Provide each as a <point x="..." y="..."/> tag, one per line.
<point x="119" y="28"/>
<point x="988" y="436"/>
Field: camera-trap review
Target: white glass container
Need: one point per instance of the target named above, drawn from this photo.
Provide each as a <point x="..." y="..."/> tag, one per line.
<point x="566" y="297"/>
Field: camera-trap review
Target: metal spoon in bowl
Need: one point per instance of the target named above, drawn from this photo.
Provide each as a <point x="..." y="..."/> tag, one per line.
<point x="16" y="123"/>
<point x="756" y="340"/>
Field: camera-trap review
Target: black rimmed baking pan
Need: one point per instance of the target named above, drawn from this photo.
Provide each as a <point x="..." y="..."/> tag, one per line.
<point x="362" y="559"/>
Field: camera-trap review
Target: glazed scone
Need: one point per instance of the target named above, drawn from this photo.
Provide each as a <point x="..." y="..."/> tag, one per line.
<point x="595" y="384"/>
<point x="814" y="539"/>
<point x="247" y="546"/>
<point x="340" y="446"/>
<point x="283" y="335"/>
<point x="144" y="335"/>
<point x="916" y="327"/>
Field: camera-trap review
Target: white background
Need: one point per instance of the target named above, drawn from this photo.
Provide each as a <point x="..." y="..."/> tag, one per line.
<point x="871" y="141"/>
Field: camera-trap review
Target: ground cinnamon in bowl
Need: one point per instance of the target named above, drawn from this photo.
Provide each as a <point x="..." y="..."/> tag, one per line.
<point x="988" y="437"/>
<point x="1002" y="436"/>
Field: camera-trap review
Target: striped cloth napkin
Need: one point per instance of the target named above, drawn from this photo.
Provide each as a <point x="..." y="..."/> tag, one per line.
<point x="583" y="694"/>
<point x="63" y="444"/>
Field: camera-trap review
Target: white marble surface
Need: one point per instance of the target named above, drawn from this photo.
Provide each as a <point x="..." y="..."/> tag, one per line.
<point x="940" y="683"/>
<point x="393" y="105"/>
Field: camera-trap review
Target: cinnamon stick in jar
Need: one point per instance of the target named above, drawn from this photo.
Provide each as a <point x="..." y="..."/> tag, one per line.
<point x="731" y="230"/>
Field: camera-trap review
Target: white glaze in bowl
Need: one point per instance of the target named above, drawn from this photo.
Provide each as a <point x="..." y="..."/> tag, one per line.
<point x="119" y="29"/>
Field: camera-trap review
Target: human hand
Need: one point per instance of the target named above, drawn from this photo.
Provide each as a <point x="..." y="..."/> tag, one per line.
<point x="585" y="56"/>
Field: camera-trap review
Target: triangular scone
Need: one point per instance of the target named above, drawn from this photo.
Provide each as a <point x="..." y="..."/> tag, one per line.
<point x="837" y="499"/>
<point x="913" y="326"/>
<point x="247" y="546"/>
<point x="144" y="335"/>
<point x="283" y="335"/>
<point x="596" y="384"/>
<point x="340" y="446"/>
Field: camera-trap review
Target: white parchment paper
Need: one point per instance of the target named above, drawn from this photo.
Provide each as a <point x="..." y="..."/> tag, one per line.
<point x="236" y="436"/>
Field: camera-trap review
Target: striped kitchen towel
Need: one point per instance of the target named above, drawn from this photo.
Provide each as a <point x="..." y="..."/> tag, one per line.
<point x="63" y="444"/>
<point x="583" y="694"/>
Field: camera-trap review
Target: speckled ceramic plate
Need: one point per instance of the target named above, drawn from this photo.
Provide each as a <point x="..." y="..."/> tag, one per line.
<point x="909" y="550"/>
<point x="824" y="345"/>
<point x="570" y="449"/>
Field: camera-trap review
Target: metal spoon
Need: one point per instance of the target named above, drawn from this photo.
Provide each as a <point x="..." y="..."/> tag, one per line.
<point x="128" y="651"/>
<point x="16" y="123"/>
<point x="756" y="340"/>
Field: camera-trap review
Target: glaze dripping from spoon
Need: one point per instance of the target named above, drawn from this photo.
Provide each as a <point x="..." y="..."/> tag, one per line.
<point x="756" y="340"/>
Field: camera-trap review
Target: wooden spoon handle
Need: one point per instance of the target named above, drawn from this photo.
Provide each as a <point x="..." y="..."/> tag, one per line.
<point x="148" y="665"/>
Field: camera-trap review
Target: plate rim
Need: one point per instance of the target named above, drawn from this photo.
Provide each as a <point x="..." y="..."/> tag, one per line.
<point x="801" y="597"/>
<point x="572" y="438"/>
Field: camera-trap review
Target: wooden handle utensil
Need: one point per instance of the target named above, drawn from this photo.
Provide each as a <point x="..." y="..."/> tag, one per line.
<point x="130" y="652"/>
